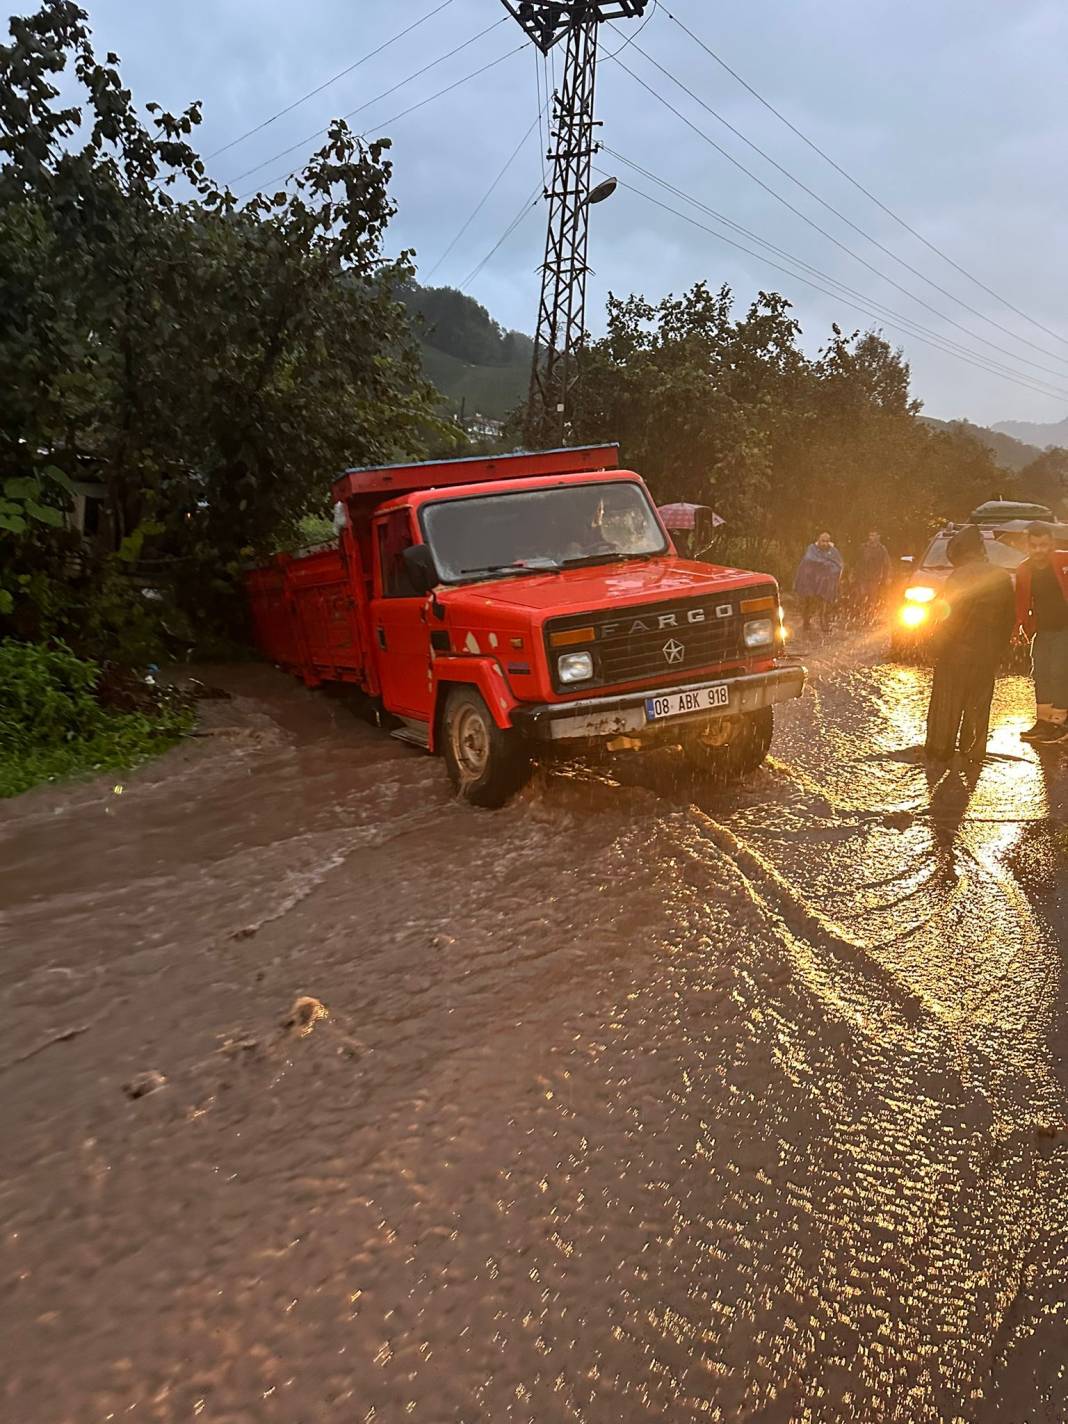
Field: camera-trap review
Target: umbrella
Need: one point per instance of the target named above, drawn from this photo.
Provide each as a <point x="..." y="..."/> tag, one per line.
<point x="684" y="516"/>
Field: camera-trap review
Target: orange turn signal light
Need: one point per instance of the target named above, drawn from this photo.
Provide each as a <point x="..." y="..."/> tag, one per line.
<point x="757" y="605"/>
<point x="570" y="636"/>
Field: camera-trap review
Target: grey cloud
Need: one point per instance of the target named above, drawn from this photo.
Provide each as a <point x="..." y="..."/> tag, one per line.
<point x="953" y="114"/>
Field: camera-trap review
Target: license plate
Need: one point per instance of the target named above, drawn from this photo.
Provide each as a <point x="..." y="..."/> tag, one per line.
<point x="694" y="699"/>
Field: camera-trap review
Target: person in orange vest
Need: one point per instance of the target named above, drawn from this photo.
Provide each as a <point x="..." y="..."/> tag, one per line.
<point x="1042" y="613"/>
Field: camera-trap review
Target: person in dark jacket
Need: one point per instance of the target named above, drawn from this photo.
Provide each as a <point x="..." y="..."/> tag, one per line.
<point x="972" y="641"/>
<point x="871" y="577"/>
<point x="1042" y="611"/>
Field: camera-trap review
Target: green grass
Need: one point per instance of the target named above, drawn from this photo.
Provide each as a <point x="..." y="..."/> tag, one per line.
<point x="52" y="725"/>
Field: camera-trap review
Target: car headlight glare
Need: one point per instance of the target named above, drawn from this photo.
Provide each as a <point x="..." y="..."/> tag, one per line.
<point x="759" y="633"/>
<point x="913" y="614"/>
<point x="920" y="594"/>
<point x="575" y="667"/>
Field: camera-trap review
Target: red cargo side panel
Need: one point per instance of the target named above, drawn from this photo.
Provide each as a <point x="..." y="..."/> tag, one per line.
<point x="274" y="627"/>
<point x="325" y="609"/>
<point x="305" y="618"/>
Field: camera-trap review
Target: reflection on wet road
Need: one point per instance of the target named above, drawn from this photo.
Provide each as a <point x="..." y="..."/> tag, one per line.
<point x="632" y="1101"/>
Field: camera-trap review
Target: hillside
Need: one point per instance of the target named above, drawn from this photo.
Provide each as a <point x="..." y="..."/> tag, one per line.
<point x="478" y="366"/>
<point x="1011" y="454"/>
<point x="494" y="391"/>
<point x="1044" y="436"/>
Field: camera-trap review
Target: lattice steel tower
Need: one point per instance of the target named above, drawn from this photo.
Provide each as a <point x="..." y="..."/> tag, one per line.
<point x="562" y="308"/>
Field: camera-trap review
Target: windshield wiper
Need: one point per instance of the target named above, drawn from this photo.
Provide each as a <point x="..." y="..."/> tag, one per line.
<point x="530" y="566"/>
<point x="617" y="556"/>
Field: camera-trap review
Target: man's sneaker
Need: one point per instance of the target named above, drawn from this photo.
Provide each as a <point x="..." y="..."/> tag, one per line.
<point x="1052" y="732"/>
<point x="1040" y="732"/>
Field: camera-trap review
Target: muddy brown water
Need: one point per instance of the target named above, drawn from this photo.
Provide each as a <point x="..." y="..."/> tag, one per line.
<point x="631" y="1101"/>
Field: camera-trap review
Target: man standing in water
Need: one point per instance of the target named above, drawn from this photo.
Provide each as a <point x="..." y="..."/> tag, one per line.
<point x="870" y="578"/>
<point x="817" y="579"/>
<point x="1042" y="612"/>
<point x="971" y="644"/>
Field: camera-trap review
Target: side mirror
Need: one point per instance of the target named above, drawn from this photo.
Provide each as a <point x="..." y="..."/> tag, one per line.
<point x="420" y="565"/>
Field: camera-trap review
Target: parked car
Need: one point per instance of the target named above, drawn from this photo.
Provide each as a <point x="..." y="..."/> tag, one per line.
<point x="919" y="608"/>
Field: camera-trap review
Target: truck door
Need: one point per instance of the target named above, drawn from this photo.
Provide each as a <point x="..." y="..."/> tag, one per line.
<point x="398" y="621"/>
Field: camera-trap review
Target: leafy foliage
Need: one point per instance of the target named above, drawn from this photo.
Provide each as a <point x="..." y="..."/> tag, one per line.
<point x="52" y="722"/>
<point x="210" y="364"/>
<point x="730" y="412"/>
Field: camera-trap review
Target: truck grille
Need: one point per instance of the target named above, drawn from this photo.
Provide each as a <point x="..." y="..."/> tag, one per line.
<point x="658" y="641"/>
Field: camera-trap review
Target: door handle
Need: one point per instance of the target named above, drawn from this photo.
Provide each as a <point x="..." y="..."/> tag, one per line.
<point x="381" y="637"/>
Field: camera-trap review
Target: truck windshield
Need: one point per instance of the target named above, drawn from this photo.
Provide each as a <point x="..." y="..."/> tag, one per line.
<point x="535" y="531"/>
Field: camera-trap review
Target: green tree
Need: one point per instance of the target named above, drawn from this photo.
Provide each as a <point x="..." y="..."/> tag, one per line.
<point x="213" y="364"/>
<point x="1045" y="480"/>
<point x="732" y="413"/>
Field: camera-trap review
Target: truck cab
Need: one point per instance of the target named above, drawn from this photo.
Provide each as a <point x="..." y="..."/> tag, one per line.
<point x="501" y="609"/>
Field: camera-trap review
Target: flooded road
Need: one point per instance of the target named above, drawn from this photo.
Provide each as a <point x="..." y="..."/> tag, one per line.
<point x="632" y="1101"/>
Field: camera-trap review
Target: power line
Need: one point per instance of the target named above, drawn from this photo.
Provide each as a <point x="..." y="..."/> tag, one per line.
<point x="978" y="363"/>
<point x="860" y="186"/>
<point x="1023" y="340"/>
<point x="528" y="207"/>
<point x="386" y="123"/>
<point x="488" y="193"/>
<point x="1013" y="336"/>
<point x="302" y="143"/>
<point x="942" y="316"/>
<point x="327" y="83"/>
<point x="880" y="311"/>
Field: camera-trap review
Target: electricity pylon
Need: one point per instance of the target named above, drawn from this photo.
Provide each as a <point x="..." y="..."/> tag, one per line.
<point x="561" y="324"/>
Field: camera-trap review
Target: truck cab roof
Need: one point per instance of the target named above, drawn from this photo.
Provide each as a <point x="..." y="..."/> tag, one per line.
<point x="384" y="481"/>
<point x="416" y="499"/>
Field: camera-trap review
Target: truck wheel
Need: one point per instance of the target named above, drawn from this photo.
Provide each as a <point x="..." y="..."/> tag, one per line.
<point x="743" y="754"/>
<point x="487" y="764"/>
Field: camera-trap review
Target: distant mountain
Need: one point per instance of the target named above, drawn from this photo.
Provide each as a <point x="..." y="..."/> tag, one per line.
<point x="1044" y="436"/>
<point x="1011" y="454"/>
<point x="478" y="366"/>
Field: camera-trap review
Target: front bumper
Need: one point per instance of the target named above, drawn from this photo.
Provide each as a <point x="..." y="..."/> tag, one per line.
<point x="624" y="714"/>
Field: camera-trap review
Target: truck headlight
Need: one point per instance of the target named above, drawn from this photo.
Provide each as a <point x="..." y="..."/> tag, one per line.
<point x="759" y="633"/>
<point x="575" y="667"/>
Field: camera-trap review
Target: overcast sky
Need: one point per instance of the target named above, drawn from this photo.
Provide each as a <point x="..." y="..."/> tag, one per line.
<point x="955" y="115"/>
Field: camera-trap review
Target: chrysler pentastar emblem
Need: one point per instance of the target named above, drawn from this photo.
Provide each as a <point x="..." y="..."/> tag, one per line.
<point x="674" y="652"/>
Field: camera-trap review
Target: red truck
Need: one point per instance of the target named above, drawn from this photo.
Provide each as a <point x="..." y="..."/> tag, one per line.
<point x="496" y="609"/>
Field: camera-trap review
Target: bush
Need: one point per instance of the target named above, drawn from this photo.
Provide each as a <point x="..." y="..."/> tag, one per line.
<point x="52" y="723"/>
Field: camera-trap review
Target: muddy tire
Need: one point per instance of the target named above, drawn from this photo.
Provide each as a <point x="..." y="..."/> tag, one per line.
<point x="742" y="755"/>
<point x="487" y="764"/>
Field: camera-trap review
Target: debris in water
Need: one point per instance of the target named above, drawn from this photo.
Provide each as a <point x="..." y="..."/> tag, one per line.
<point x="305" y="1014"/>
<point x="144" y="1083"/>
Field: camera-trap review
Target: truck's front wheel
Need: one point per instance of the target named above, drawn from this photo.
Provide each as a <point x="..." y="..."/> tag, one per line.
<point x="487" y="764"/>
<point x="742" y="754"/>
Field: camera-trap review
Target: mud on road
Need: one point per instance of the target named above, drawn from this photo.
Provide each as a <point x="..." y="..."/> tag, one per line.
<point x="632" y="1101"/>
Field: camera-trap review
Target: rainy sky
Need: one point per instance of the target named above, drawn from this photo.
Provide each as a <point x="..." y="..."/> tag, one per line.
<point x="954" y="115"/>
